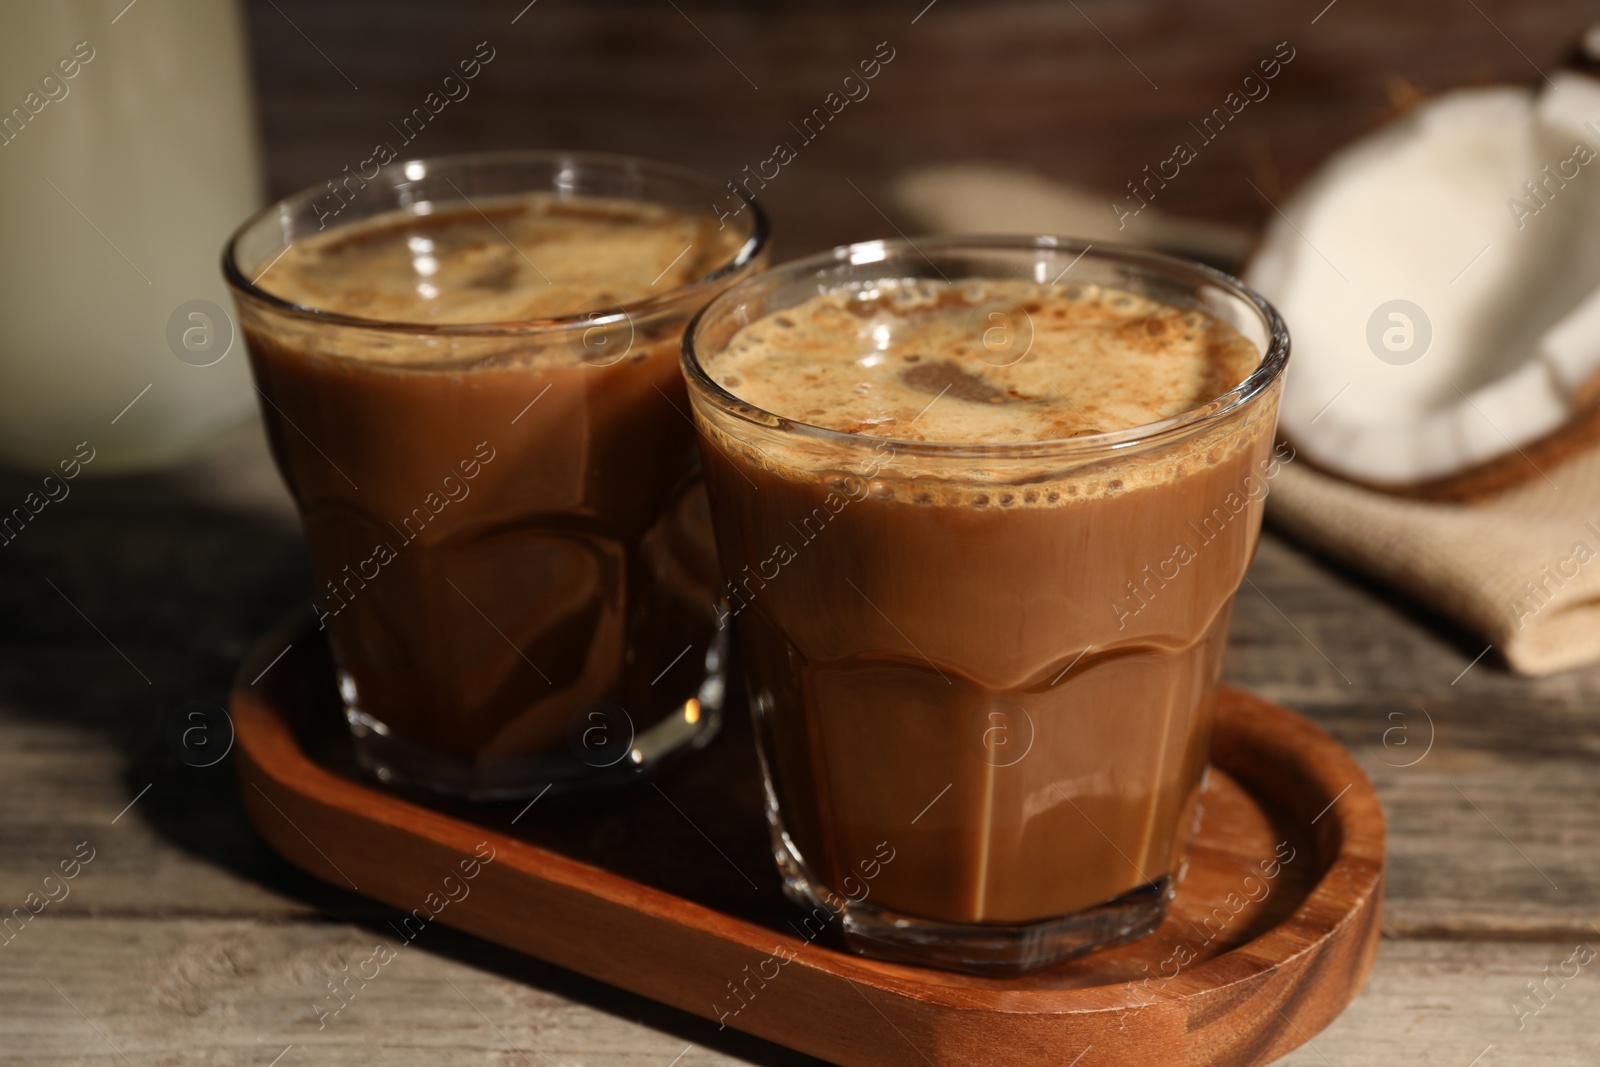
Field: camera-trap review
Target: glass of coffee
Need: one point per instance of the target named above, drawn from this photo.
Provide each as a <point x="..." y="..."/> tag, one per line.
<point x="982" y="506"/>
<point x="468" y="371"/>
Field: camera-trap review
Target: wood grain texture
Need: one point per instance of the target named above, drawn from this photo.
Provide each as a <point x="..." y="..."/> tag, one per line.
<point x="214" y="557"/>
<point x="233" y="993"/>
<point x="1087" y="93"/>
<point x="1287" y="814"/>
<point x="183" y="571"/>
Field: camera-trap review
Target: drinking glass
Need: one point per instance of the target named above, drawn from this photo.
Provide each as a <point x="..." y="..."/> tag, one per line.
<point x="983" y="676"/>
<point x="508" y="534"/>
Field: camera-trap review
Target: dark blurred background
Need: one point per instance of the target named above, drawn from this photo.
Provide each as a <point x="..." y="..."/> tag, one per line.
<point x="1087" y="91"/>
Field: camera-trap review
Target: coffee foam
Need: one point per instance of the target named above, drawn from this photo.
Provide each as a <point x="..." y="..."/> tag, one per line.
<point x="504" y="260"/>
<point x="990" y="362"/>
<point x="1061" y="362"/>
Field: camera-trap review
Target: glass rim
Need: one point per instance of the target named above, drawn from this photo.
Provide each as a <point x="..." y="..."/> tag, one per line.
<point x="1273" y="359"/>
<point x="754" y="245"/>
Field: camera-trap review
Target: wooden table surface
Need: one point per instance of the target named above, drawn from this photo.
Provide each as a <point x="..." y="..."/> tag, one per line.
<point x="184" y="940"/>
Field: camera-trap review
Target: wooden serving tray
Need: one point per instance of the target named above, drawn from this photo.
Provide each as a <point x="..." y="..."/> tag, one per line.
<point x="670" y="891"/>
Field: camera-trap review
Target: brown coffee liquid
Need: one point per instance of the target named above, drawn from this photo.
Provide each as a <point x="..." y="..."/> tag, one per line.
<point x="505" y="529"/>
<point x="1002" y="667"/>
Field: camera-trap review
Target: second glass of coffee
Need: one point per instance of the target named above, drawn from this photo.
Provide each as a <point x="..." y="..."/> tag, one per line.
<point x="982" y="506"/>
<point x="467" y="369"/>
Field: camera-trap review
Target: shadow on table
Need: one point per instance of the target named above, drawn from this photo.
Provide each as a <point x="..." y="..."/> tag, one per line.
<point x="132" y="597"/>
<point x="1420" y="614"/>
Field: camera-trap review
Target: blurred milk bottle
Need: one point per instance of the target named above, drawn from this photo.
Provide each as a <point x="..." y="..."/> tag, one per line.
<point x="127" y="155"/>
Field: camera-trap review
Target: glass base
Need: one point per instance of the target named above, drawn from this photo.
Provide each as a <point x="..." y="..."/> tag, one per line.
<point x="992" y="949"/>
<point x="603" y="753"/>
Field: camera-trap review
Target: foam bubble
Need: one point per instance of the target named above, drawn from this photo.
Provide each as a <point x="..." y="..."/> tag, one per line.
<point x="508" y="259"/>
<point x="982" y="362"/>
<point x="1096" y="359"/>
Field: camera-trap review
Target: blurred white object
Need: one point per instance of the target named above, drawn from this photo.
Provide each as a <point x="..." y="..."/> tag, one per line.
<point x="1441" y="279"/>
<point x="128" y="153"/>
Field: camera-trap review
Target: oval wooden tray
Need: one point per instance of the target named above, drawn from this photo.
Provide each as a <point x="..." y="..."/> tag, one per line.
<point x="670" y="891"/>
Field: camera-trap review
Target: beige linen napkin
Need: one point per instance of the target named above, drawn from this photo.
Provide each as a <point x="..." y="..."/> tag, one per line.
<point x="1522" y="568"/>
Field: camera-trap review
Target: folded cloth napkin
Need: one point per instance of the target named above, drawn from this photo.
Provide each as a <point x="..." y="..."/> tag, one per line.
<point x="1521" y="568"/>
